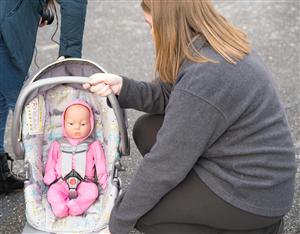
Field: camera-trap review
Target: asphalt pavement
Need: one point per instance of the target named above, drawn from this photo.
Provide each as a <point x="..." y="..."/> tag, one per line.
<point x="117" y="38"/>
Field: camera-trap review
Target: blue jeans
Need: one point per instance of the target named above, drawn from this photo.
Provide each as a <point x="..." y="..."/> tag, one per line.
<point x="11" y="81"/>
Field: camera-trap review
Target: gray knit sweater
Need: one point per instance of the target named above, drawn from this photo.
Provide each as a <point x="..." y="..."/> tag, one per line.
<point x="224" y="121"/>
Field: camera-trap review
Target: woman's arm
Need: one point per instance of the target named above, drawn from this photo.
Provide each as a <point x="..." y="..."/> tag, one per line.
<point x="150" y="97"/>
<point x="190" y="125"/>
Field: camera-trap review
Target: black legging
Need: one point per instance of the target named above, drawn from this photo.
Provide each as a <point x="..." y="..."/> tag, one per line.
<point x="192" y="207"/>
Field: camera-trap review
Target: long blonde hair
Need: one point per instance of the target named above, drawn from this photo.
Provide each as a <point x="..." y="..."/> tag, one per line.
<point x="177" y="22"/>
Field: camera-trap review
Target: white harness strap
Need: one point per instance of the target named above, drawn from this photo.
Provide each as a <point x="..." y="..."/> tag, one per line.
<point x="70" y="153"/>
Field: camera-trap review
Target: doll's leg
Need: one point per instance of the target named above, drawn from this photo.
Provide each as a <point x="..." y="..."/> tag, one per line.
<point x="87" y="194"/>
<point x="58" y="196"/>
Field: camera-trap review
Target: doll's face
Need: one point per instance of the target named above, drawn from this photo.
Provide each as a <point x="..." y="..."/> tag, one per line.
<point x="77" y="122"/>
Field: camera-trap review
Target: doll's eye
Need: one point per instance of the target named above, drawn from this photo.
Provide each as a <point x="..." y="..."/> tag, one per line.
<point x="83" y="124"/>
<point x="71" y="124"/>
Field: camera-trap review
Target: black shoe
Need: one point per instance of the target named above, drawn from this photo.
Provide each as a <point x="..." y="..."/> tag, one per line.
<point x="8" y="181"/>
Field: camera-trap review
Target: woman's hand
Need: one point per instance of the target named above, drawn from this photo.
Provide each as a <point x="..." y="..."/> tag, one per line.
<point x="104" y="84"/>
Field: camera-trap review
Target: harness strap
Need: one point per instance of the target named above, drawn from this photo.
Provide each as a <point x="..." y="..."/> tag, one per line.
<point x="77" y="153"/>
<point x="73" y="176"/>
<point x="74" y="152"/>
<point x="73" y="179"/>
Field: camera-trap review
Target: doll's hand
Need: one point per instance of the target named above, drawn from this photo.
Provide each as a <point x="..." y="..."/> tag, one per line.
<point x="104" y="84"/>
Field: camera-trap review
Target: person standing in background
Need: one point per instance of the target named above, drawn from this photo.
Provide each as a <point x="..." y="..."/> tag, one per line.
<point x="19" y="22"/>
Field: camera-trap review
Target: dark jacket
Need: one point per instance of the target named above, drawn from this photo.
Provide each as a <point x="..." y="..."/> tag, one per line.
<point x="19" y="20"/>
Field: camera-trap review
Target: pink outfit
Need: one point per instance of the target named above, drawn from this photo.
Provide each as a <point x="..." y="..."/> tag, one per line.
<point x="58" y="193"/>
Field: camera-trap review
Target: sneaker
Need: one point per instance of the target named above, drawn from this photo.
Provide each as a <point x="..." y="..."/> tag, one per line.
<point x="8" y="181"/>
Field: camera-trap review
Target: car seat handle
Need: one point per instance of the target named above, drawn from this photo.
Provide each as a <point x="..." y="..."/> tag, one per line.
<point x="16" y="134"/>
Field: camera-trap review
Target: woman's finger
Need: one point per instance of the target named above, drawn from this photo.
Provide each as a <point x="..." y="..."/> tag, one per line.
<point x="98" y="78"/>
<point x="86" y="86"/>
<point x="107" y="93"/>
<point x="104" y="91"/>
<point x="96" y="88"/>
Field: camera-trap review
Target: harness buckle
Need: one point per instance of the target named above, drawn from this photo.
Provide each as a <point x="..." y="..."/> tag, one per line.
<point x="73" y="179"/>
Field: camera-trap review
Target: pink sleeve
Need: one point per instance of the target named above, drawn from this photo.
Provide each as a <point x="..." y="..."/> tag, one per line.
<point x="100" y="162"/>
<point x="50" y="172"/>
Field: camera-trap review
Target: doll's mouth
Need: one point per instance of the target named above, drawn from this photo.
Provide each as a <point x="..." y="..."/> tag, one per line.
<point x="76" y="135"/>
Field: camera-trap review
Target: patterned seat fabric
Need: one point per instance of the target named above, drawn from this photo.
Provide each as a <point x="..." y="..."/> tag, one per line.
<point x="41" y="125"/>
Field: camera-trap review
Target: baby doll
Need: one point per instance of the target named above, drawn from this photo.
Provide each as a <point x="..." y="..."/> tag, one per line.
<point x="72" y="161"/>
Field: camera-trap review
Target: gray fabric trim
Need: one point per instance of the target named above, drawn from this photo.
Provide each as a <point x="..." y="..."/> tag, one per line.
<point x="69" y="152"/>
